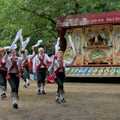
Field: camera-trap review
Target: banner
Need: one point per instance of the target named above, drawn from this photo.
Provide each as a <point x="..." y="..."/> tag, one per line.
<point x="17" y="37"/>
<point x="57" y="46"/>
<point x="38" y="43"/>
<point x="25" y="43"/>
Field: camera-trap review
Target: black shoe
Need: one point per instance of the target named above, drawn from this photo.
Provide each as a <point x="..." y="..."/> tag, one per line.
<point x="25" y="86"/>
<point x="15" y="106"/>
<point x="63" y="100"/>
<point x="43" y="92"/>
<point x="58" y="101"/>
<point x="39" y="92"/>
<point x="28" y="84"/>
<point x="3" y="96"/>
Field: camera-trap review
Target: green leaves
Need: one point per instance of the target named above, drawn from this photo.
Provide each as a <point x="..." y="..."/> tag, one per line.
<point x="37" y="18"/>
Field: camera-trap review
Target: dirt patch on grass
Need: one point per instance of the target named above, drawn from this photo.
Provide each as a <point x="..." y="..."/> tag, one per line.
<point x="84" y="102"/>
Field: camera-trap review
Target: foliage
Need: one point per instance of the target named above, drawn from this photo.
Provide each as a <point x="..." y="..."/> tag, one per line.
<point x="37" y="18"/>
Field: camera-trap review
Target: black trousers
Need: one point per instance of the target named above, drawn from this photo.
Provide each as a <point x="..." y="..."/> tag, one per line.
<point x="3" y="81"/>
<point x="26" y="74"/>
<point x="41" y="75"/>
<point x="60" y="78"/>
<point x="14" y="83"/>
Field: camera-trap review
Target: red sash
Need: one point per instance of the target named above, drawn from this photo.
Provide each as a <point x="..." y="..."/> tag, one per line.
<point x="41" y="63"/>
<point x="2" y="65"/>
<point x="14" y="64"/>
<point x="60" y="69"/>
<point x="30" y="63"/>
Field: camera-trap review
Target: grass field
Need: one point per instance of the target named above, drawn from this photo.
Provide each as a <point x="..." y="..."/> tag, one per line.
<point x="85" y="101"/>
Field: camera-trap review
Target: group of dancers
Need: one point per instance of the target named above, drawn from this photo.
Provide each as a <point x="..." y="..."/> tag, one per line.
<point x="15" y="66"/>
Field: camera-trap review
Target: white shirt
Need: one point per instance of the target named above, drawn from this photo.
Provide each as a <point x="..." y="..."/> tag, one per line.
<point x="37" y="62"/>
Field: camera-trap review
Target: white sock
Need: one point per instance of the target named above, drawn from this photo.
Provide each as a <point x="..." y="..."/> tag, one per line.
<point x="38" y="89"/>
<point x="14" y="100"/>
<point x="61" y="96"/>
<point x="27" y="81"/>
<point x="42" y="88"/>
<point x="57" y="97"/>
<point x="1" y="90"/>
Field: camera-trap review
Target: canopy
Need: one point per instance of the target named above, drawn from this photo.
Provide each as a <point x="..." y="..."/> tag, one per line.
<point x="88" y="19"/>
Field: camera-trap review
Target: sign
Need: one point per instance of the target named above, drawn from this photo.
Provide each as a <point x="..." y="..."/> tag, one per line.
<point x="89" y="19"/>
<point x="92" y="71"/>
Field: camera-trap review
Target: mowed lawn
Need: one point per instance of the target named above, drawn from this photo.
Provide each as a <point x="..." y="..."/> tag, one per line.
<point x="85" y="101"/>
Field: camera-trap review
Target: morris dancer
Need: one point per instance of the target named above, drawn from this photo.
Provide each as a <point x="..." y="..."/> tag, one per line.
<point x="13" y="77"/>
<point x="57" y="67"/>
<point x="3" y="72"/>
<point x="40" y="66"/>
<point x="26" y="65"/>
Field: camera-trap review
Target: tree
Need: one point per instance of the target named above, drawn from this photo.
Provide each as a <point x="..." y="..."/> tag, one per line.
<point x="37" y="18"/>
